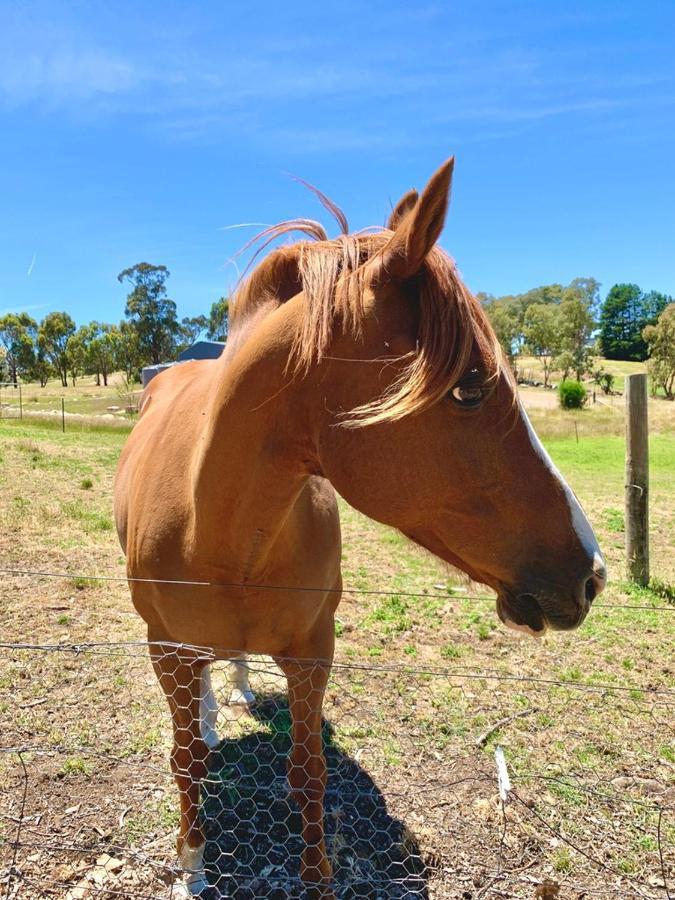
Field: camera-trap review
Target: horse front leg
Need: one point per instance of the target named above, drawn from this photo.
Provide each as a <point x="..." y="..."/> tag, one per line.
<point x="208" y="710"/>
<point x="307" y="770"/>
<point x="241" y="695"/>
<point x="180" y="676"/>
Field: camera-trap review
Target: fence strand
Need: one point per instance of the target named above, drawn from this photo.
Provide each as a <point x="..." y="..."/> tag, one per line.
<point x="233" y="585"/>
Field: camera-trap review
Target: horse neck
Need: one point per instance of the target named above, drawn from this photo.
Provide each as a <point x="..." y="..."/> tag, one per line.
<point x="256" y="454"/>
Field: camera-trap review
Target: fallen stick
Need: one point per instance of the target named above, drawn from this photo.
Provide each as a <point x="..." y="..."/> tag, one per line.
<point x="483" y="738"/>
<point x="33" y="703"/>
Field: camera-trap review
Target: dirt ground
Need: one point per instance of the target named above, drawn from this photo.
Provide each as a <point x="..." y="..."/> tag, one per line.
<point x="427" y="685"/>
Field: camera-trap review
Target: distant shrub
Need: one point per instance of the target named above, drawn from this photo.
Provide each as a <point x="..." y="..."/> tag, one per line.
<point x="603" y="379"/>
<point x="572" y="394"/>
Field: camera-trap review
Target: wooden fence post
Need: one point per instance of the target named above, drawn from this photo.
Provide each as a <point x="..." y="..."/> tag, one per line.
<point x="637" y="480"/>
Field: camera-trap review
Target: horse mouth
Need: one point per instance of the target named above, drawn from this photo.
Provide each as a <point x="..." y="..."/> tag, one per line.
<point x="521" y="613"/>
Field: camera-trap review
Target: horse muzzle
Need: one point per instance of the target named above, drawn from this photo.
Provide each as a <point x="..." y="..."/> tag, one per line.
<point x="535" y="608"/>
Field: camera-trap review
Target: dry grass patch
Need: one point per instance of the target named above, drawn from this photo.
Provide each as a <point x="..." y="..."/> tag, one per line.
<point x="585" y="718"/>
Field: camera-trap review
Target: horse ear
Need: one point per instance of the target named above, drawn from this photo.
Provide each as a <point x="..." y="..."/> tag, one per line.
<point x="402" y="208"/>
<point x="417" y="232"/>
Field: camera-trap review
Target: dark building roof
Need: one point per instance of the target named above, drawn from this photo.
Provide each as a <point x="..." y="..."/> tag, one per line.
<point x="199" y="350"/>
<point x="149" y="372"/>
<point x="202" y="350"/>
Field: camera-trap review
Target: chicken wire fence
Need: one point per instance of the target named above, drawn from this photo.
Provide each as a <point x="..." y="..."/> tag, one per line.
<point x="415" y="806"/>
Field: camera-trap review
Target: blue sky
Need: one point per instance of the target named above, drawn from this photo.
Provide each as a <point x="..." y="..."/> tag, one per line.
<point x="139" y="131"/>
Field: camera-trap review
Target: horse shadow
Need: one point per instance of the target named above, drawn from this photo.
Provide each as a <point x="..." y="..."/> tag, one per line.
<point x="253" y="827"/>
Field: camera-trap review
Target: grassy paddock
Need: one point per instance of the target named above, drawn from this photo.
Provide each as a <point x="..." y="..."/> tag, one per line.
<point x="590" y="721"/>
<point x="83" y="399"/>
<point x="530" y="365"/>
<point x="531" y="368"/>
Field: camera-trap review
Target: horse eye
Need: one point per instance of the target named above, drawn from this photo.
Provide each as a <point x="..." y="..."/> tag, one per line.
<point x="467" y="396"/>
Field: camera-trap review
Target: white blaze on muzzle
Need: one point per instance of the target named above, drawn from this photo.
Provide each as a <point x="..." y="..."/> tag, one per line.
<point x="580" y="523"/>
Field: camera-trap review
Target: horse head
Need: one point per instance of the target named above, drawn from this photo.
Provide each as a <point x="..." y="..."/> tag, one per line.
<point x="421" y="427"/>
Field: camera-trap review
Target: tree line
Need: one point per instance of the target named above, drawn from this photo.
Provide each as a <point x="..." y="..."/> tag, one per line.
<point x="150" y="333"/>
<point x="566" y="327"/>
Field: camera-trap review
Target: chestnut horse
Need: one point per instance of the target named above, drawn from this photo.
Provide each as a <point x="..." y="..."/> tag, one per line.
<point x="360" y="365"/>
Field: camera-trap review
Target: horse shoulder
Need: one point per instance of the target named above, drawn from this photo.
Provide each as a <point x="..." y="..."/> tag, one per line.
<point x="150" y="483"/>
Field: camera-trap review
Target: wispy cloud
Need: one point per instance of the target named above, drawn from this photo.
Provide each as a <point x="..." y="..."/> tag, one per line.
<point x="311" y="90"/>
<point x="31" y="266"/>
<point x="22" y="307"/>
<point x="62" y="77"/>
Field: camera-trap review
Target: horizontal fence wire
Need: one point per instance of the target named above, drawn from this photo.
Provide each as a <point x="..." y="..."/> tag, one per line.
<point x="450" y="593"/>
<point x="88" y="807"/>
<point x="123" y="648"/>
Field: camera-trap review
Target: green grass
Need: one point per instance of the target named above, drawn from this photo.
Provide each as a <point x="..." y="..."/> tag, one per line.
<point x="561" y="859"/>
<point x="667" y="752"/>
<point x="33" y="430"/>
<point x="74" y="765"/>
<point x="606" y="454"/>
<point x="613" y="519"/>
<point x="393" y="614"/>
<point x="91" y="519"/>
<point x="85" y="583"/>
<point x="96" y="425"/>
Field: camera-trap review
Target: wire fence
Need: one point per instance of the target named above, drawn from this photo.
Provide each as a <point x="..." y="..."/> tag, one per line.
<point x="443" y="592"/>
<point x="11" y="403"/>
<point x="418" y="802"/>
<point x="103" y="406"/>
<point x="416" y="805"/>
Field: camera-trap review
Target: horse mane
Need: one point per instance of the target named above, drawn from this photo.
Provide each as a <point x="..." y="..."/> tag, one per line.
<point x="333" y="274"/>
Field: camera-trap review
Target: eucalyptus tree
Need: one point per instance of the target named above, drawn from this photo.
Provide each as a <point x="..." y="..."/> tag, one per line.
<point x="150" y="312"/>
<point x="542" y="334"/>
<point x="54" y="335"/>
<point x="18" y="334"/>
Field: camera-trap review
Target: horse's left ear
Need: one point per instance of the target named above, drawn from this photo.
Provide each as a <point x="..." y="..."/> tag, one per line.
<point x="417" y="231"/>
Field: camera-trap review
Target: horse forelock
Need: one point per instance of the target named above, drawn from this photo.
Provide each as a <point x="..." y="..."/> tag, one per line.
<point x="333" y="274"/>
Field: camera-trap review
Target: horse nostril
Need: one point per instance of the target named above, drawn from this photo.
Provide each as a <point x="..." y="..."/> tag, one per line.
<point x="598" y="580"/>
<point x="595" y="584"/>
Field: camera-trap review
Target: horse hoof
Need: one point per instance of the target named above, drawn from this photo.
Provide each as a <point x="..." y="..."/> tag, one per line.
<point x="193" y="883"/>
<point x="192" y="886"/>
